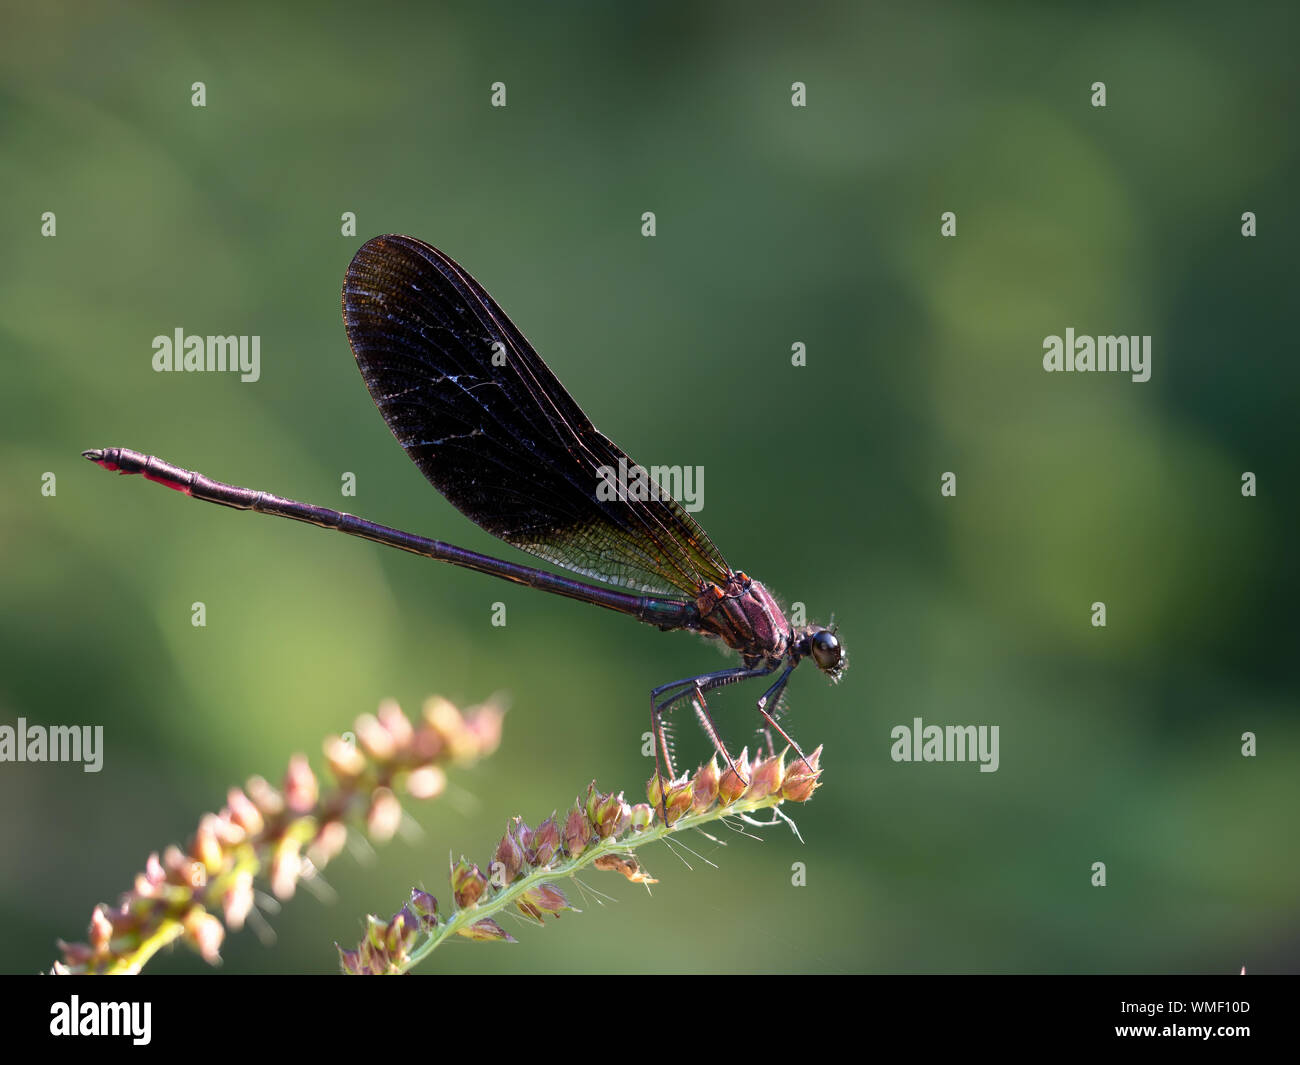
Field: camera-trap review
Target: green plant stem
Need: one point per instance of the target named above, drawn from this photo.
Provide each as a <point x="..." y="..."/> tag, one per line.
<point x="132" y="962"/>
<point x="568" y="867"/>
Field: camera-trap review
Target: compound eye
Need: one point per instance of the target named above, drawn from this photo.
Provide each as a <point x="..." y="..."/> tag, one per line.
<point x="826" y="651"/>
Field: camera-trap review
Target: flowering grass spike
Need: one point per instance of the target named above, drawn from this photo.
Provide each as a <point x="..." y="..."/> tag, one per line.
<point x="601" y="832"/>
<point x="285" y="835"/>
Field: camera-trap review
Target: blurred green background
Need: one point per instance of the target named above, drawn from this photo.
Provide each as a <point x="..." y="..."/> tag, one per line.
<point x="775" y="225"/>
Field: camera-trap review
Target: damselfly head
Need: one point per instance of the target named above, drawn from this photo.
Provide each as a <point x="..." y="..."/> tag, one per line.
<point x="824" y="648"/>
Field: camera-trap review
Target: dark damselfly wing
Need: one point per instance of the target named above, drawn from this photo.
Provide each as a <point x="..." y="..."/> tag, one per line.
<point x="492" y="428"/>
